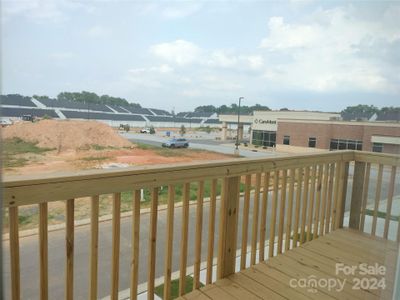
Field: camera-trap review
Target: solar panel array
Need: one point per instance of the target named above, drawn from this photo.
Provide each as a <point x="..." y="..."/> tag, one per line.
<point x="74" y="105"/>
<point x="172" y="119"/>
<point x="100" y="116"/>
<point x="22" y="105"/>
<point x="160" y="112"/>
<point x="19" y="112"/>
<point x="17" y="100"/>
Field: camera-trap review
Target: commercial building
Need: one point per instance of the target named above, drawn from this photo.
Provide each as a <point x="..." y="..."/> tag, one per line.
<point x="265" y="124"/>
<point x="338" y="135"/>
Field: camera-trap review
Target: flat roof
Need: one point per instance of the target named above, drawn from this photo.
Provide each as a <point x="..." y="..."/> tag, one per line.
<point x="338" y="122"/>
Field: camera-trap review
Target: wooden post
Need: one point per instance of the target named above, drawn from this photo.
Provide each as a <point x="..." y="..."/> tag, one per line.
<point x="199" y="229"/>
<point x="356" y="195"/>
<point x="245" y="222"/>
<point x="151" y="259"/>
<point x="228" y="227"/>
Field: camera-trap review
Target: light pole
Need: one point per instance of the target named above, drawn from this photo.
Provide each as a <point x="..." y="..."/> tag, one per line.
<point x="238" y="122"/>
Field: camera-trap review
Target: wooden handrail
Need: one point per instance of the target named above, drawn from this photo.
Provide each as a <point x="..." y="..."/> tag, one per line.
<point x="309" y="190"/>
<point x="24" y="190"/>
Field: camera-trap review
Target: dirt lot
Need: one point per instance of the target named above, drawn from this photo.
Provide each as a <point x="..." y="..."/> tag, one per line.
<point x="52" y="146"/>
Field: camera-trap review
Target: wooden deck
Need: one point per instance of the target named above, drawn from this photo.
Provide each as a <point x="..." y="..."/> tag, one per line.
<point x="313" y="260"/>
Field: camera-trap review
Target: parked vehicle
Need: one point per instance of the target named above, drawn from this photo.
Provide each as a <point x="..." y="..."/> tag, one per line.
<point x="176" y="143"/>
<point x="145" y="130"/>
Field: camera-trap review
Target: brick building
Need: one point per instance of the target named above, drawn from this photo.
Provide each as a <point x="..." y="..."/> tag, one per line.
<point x="339" y="135"/>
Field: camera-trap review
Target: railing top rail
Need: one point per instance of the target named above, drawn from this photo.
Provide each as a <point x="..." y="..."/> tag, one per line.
<point x="24" y="190"/>
<point x="378" y="158"/>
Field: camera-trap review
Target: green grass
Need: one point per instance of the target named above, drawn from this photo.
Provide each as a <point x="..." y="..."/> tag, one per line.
<point x="95" y="158"/>
<point x="15" y="146"/>
<point x="159" y="290"/>
<point x="380" y="214"/>
<point x="99" y="147"/>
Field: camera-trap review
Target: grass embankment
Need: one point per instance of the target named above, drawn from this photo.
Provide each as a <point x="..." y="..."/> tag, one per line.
<point x="14" y="150"/>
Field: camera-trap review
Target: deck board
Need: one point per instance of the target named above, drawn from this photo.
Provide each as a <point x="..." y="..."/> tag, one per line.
<point x="316" y="259"/>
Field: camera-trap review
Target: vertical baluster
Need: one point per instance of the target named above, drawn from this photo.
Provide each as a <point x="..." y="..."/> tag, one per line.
<point x="169" y="239"/>
<point x="152" y="243"/>
<point x="298" y="205"/>
<point x="324" y="198"/>
<point x="135" y="243"/>
<point x="389" y="202"/>
<point x="263" y="221"/>
<point x="317" y="202"/>
<point x="69" y="239"/>
<point x="311" y="203"/>
<point x="211" y="230"/>
<point x="43" y="251"/>
<point x="199" y="228"/>
<point x="377" y="199"/>
<point x="341" y="196"/>
<point x="184" y="238"/>
<point x="94" y="245"/>
<point x="254" y="230"/>
<point x="304" y="204"/>
<point x="282" y="211"/>
<point x="330" y="195"/>
<point x="365" y="196"/>
<point x="336" y="194"/>
<point x="116" y="223"/>
<point x="14" y="253"/>
<point x="245" y="225"/>
<point x="273" y="214"/>
<point x="289" y="210"/>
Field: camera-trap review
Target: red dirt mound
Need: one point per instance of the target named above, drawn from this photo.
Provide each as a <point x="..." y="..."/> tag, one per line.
<point x="66" y="135"/>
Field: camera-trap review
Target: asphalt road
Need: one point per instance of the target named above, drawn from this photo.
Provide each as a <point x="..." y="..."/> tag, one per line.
<point x="204" y="144"/>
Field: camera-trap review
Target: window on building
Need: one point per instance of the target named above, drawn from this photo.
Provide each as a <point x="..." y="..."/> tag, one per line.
<point x="286" y="140"/>
<point x="312" y="142"/>
<point x="341" y="144"/>
<point x="264" y="138"/>
<point x="377" y="147"/>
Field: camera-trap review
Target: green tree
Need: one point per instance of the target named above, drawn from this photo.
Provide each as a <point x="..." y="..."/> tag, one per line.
<point x="360" y="111"/>
<point x="182" y="130"/>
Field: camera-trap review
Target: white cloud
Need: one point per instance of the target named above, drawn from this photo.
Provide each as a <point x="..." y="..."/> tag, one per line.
<point x="323" y="52"/>
<point x="180" y="52"/>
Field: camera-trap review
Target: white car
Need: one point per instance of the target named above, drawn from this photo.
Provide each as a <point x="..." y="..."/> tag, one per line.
<point x="145" y="130"/>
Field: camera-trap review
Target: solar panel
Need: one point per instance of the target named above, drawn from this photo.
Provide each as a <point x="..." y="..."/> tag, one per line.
<point x="100" y="116"/>
<point x="19" y="112"/>
<point x="16" y="100"/>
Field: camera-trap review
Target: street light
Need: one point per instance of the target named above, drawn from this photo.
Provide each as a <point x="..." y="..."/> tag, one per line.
<point x="238" y="122"/>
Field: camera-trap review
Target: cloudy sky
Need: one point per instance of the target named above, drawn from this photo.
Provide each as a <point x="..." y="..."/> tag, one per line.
<point x="322" y="55"/>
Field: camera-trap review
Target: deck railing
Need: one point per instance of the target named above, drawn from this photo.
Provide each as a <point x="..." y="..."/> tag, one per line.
<point x="292" y="200"/>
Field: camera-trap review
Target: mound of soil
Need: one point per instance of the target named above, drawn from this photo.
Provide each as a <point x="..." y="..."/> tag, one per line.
<point x="66" y="135"/>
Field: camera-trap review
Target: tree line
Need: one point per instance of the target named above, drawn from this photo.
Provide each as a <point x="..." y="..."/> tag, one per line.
<point x="89" y="97"/>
